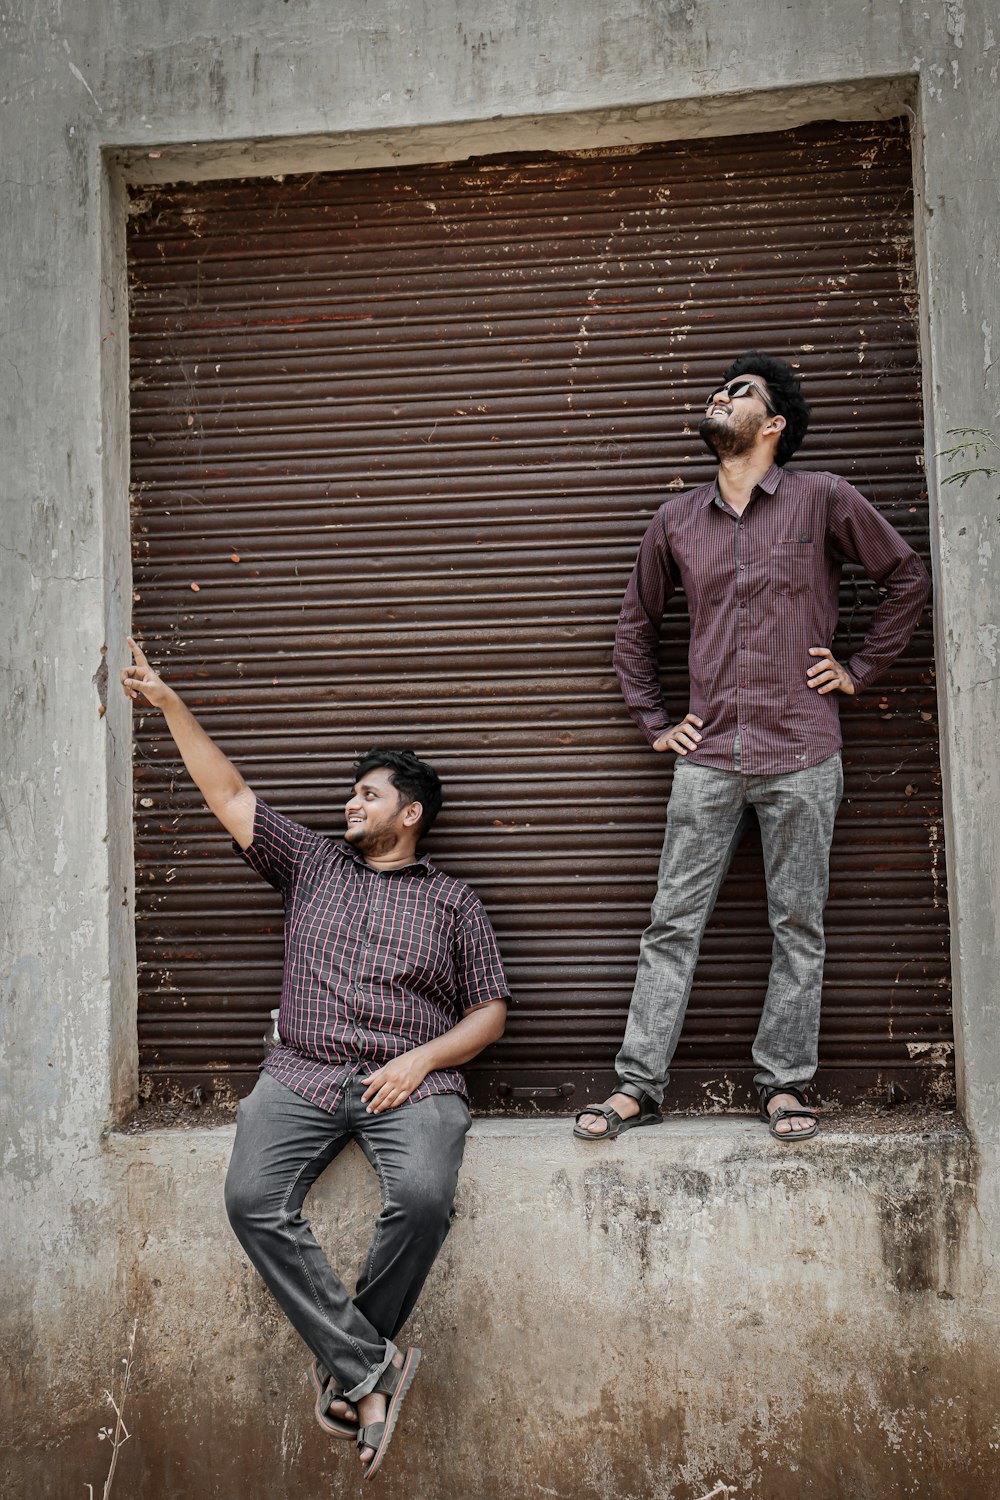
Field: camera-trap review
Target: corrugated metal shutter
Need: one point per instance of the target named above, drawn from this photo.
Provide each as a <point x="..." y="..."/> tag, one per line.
<point x="396" y="436"/>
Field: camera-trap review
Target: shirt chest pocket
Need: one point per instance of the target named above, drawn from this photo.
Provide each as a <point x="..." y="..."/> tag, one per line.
<point x="792" y="565"/>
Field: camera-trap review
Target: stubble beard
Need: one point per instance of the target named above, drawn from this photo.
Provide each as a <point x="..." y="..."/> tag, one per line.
<point x="372" y="841"/>
<point x="729" y="439"/>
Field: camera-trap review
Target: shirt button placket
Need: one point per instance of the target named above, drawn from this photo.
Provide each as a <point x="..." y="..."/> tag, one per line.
<point x="374" y="911"/>
<point x="741" y="660"/>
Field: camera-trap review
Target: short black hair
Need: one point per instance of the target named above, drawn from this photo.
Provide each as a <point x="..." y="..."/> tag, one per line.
<point x="786" y="396"/>
<point x="414" y="780"/>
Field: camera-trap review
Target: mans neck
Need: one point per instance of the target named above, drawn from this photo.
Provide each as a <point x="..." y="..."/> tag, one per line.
<point x="391" y="859"/>
<point x="738" y="476"/>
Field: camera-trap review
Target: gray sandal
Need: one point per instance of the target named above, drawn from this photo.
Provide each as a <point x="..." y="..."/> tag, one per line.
<point x="805" y="1112"/>
<point x="327" y="1391"/>
<point x="394" y="1382"/>
<point x="649" y="1114"/>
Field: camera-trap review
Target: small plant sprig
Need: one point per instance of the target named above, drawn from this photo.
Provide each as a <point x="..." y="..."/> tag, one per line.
<point x="119" y="1433"/>
<point x="721" y="1492"/>
<point x="975" y="445"/>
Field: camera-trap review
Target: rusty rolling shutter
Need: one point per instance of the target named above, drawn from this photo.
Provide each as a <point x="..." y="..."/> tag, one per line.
<point x="396" y="436"/>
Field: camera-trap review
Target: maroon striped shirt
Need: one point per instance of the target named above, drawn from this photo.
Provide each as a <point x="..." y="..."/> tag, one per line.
<point x="376" y="961"/>
<point x="761" y="589"/>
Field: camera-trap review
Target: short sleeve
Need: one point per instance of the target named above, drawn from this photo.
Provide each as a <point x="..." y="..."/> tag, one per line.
<point x="279" y="846"/>
<point x="479" y="974"/>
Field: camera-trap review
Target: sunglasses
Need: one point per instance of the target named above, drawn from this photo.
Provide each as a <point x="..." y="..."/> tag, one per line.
<point x="740" y="387"/>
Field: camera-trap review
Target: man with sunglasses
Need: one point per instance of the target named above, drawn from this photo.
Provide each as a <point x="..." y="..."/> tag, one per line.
<point x="759" y="553"/>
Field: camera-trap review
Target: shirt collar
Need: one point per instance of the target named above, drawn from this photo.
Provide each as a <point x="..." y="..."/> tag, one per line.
<point x="768" y="483"/>
<point x="421" y="865"/>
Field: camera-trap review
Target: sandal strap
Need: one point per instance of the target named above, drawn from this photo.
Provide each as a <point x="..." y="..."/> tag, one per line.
<point x="634" y="1091"/>
<point x="595" y="1109"/>
<point x="793" y="1114"/>
<point x="767" y="1092"/>
<point x="605" y="1112"/>
<point x="388" y="1380"/>
<point x="328" y="1395"/>
<point x="370" y="1436"/>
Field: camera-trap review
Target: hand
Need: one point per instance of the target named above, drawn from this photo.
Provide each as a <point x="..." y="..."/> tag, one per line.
<point x="828" y="674"/>
<point x="392" y="1085"/>
<point x="683" y="737"/>
<point x="140" y="678"/>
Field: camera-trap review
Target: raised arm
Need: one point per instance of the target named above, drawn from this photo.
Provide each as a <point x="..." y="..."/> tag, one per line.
<point x="213" y="773"/>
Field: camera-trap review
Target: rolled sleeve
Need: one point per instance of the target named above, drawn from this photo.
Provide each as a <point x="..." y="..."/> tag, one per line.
<point x="279" y="847"/>
<point x="479" y="975"/>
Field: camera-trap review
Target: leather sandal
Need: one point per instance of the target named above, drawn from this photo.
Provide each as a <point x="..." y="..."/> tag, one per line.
<point x="771" y="1118"/>
<point x="394" y="1382"/>
<point x="327" y="1391"/>
<point x="649" y="1114"/>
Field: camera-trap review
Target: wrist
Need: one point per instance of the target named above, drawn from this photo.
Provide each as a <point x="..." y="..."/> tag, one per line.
<point x="171" y="700"/>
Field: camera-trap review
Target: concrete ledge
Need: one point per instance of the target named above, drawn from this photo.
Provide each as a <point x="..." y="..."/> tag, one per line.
<point x="743" y="1310"/>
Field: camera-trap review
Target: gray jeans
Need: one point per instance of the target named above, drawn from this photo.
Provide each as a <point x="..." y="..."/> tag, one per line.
<point x="706" y="817"/>
<point x="283" y="1143"/>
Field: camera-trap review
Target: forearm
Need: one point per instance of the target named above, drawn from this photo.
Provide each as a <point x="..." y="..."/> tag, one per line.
<point x="861" y="535"/>
<point x="212" y="772"/>
<point x="638" y="632"/>
<point x="466" y="1039"/>
<point x="391" y="1085"/>
<point x="635" y="667"/>
<point x="893" y="622"/>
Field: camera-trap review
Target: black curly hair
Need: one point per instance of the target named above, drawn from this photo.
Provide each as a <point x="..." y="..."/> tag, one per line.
<point x="414" y="780"/>
<point x="786" y="396"/>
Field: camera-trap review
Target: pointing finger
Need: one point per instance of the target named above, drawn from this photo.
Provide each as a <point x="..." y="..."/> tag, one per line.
<point x="137" y="653"/>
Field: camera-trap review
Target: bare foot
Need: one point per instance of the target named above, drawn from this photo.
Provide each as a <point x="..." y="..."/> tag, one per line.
<point x="623" y="1104"/>
<point x="787" y="1127"/>
<point x="343" y="1409"/>
<point x="371" y="1409"/>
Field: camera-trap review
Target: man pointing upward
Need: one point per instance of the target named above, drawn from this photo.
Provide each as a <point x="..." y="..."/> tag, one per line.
<point x="392" y="980"/>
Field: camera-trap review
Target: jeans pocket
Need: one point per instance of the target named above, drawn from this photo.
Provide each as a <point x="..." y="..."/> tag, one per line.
<point x="792" y="565"/>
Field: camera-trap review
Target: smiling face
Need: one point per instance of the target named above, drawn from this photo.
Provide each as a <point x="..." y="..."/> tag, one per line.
<point x="732" y="422"/>
<point x="379" y="819"/>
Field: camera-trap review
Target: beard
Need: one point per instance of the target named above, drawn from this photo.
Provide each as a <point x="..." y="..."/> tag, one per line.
<point x="376" y="839"/>
<point x="730" y="437"/>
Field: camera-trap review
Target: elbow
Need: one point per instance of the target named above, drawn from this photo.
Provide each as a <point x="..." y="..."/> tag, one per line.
<point x="622" y="662"/>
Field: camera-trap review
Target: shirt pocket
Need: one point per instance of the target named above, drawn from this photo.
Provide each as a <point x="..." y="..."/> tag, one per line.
<point x="792" y="565"/>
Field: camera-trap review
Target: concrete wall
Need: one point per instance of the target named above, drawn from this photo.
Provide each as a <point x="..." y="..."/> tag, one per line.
<point x="687" y="1305"/>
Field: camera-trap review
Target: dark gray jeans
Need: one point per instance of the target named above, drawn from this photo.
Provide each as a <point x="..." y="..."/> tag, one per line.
<point x="283" y="1143"/>
<point x="706" y="817"/>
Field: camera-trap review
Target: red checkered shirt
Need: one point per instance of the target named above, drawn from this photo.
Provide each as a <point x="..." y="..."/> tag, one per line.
<point x="761" y="589"/>
<point x="376" y="961"/>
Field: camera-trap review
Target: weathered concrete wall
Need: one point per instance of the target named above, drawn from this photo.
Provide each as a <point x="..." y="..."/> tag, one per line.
<point x="686" y="1305"/>
<point x="98" y="1228"/>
